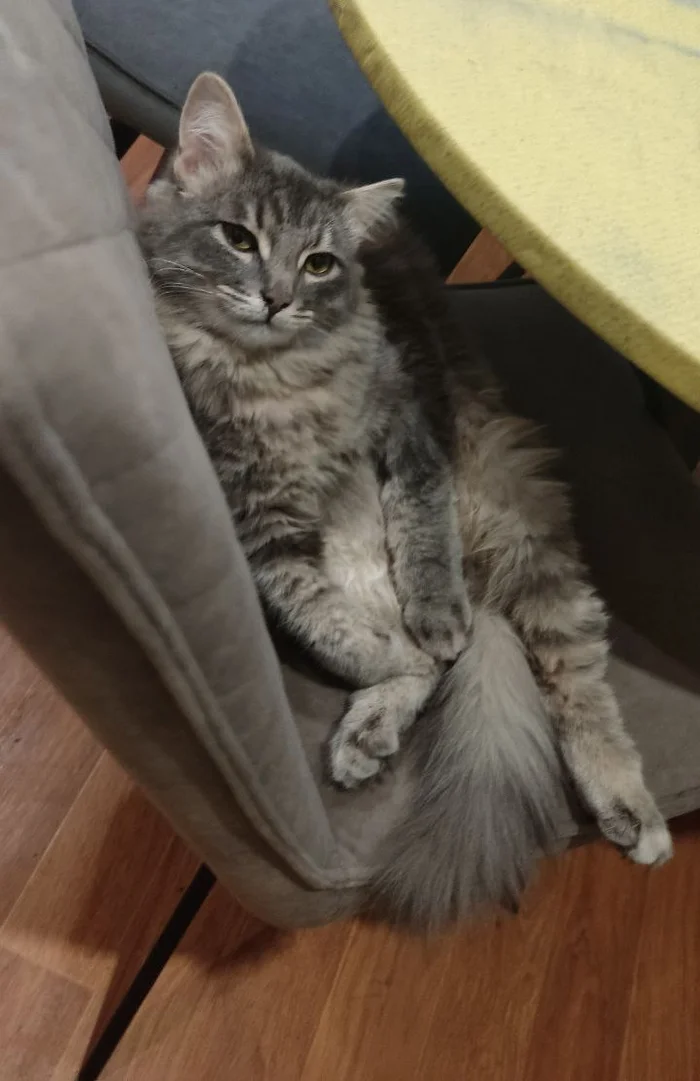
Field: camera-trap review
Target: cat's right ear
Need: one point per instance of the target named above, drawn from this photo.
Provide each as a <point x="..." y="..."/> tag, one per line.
<point x="214" y="138"/>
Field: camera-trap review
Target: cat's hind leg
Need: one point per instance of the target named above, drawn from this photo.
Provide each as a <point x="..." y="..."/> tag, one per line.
<point x="563" y="625"/>
<point x="518" y="535"/>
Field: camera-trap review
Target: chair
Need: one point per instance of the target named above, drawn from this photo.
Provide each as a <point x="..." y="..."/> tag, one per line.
<point x="120" y="571"/>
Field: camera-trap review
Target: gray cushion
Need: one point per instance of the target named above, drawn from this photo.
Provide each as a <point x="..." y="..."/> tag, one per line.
<point x="94" y="428"/>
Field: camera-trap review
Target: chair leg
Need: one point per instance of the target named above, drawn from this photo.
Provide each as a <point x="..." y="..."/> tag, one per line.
<point x="139" y="164"/>
<point x="484" y="261"/>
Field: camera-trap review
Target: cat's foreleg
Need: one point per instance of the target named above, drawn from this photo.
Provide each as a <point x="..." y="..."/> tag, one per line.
<point x="370" y="732"/>
<point x="361" y="645"/>
<point x="346" y="639"/>
<point x="422" y="532"/>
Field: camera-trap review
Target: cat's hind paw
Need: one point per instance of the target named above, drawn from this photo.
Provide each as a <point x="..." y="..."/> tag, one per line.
<point x="350" y="765"/>
<point x="654" y="845"/>
<point x="639" y="829"/>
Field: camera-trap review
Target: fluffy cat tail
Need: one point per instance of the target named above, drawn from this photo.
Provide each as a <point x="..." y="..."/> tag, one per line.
<point x="489" y="784"/>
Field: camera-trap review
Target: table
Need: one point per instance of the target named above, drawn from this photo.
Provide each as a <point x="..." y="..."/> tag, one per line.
<point x="571" y="129"/>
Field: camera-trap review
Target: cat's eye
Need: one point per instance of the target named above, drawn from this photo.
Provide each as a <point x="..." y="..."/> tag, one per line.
<point x="319" y="263"/>
<point x="238" y="236"/>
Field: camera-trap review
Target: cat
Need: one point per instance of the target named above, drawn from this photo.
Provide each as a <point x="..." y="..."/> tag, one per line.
<point x="398" y="522"/>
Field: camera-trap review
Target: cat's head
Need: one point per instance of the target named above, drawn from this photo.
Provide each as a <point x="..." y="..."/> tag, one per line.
<point x="245" y="242"/>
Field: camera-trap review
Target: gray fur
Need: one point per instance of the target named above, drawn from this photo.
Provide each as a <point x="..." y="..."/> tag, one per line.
<point x="489" y="782"/>
<point x="375" y="483"/>
<point x="516" y="525"/>
<point x="486" y="763"/>
<point x="291" y="406"/>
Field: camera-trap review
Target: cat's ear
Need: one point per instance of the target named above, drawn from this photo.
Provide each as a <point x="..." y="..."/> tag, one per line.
<point x="373" y="205"/>
<point x="213" y="134"/>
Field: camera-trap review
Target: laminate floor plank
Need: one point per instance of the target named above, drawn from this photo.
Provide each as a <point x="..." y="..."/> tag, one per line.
<point x="46" y="755"/>
<point x="237" y="1000"/>
<point x="597" y="979"/>
<point x="581" y="1020"/>
<point x="37" y="1008"/>
<point x="99" y="898"/>
<point x="18" y="675"/>
<point x="376" y="1020"/>
<point x="663" y="1026"/>
<point x="482" y="1020"/>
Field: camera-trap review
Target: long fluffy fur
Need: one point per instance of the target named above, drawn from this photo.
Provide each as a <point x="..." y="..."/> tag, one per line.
<point x="362" y="454"/>
<point x="489" y="779"/>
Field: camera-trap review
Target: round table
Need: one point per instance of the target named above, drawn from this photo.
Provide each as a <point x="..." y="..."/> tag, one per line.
<point x="571" y="129"/>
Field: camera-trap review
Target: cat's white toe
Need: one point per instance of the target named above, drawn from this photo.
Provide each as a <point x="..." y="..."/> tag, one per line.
<point x="350" y="765"/>
<point x="654" y="846"/>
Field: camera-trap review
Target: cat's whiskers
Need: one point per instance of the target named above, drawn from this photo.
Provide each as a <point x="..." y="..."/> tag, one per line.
<point x="300" y="317"/>
<point x="165" y="263"/>
<point x="234" y="294"/>
<point x="173" y="288"/>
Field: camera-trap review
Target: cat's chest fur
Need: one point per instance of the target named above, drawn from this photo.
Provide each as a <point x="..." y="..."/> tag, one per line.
<point x="281" y="430"/>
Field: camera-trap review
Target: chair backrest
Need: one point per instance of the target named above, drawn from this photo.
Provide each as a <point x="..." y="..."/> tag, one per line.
<point x="95" y="433"/>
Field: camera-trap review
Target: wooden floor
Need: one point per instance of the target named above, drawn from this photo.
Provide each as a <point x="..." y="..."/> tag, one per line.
<point x="598" y="979"/>
<point x="89" y="873"/>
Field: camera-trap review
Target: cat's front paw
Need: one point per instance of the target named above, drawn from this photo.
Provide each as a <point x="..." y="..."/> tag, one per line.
<point x="439" y="627"/>
<point x="365" y="738"/>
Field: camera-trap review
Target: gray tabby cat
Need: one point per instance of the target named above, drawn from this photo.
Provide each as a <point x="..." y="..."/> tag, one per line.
<point x="361" y="457"/>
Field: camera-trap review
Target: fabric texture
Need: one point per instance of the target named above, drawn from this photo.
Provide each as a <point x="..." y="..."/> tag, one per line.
<point x="94" y="427"/>
<point x="296" y="80"/>
<point x="569" y="128"/>
<point x="119" y="567"/>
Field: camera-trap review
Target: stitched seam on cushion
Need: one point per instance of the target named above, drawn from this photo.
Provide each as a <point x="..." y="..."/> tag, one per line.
<point x="66" y="245"/>
<point x="125" y="594"/>
<point x="263" y="816"/>
<point x="72" y="27"/>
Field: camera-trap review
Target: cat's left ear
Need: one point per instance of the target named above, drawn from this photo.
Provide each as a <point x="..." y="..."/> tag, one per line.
<point x="214" y="138"/>
<point x="373" y="205"/>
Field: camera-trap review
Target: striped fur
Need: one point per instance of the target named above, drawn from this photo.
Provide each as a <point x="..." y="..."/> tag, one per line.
<point x="395" y="519"/>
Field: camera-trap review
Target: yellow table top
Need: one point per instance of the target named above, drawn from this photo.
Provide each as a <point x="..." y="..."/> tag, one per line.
<point x="571" y="128"/>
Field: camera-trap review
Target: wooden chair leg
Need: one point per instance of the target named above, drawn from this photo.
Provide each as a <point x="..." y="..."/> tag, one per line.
<point x="139" y="164"/>
<point x="484" y="261"/>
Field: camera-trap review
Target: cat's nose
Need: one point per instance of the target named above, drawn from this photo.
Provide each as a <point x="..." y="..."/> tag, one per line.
<point x="275" y="304"/>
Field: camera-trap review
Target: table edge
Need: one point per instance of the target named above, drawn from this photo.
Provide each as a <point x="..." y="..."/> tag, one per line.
<point x="578" y="291"/>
